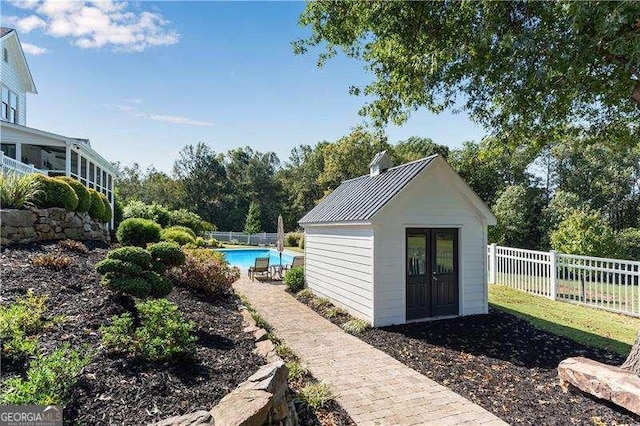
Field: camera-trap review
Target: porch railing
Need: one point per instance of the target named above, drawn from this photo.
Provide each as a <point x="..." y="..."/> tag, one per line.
<point x="10" y="165"/>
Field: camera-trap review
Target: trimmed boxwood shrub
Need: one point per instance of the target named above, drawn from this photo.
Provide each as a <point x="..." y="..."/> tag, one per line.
<point x="106" y="213"/>
<point x="178" y="236"/>
<point x="138" y="232"/>
<point x="56" y="193"/>
<point x="136" y="255"/>
<point x="159" y="286"/>
<point x="135" y="286"/>
<point x="292" y="239"/>
<point x="82" y="192"/>
<point x="294" y="279"/>
<point x="116" y="266"/>
<point x="96" y="209"/>
<point x="183" y="229"/>
<point x="167" y="253"/>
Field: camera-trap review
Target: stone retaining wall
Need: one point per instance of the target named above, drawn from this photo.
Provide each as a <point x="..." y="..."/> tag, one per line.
<point x="25" y="226"/>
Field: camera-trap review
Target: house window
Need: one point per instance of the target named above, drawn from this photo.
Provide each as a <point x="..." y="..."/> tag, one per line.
<point x="5" y="54"/>
<point x="74" y="162"/>
<point x="9" y="150"/>
<point x="83" y="168"/>
<point x="9" y="105"/>
<point x="92" y="176"/>
<point x="98" y="176"/>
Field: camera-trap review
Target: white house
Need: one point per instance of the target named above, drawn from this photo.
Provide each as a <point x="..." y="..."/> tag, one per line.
<point x="401" y="244"/>
<point x="27" y="150"/>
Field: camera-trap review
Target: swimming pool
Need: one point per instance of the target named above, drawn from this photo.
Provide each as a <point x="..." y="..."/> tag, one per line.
<point x="244" y="258"/>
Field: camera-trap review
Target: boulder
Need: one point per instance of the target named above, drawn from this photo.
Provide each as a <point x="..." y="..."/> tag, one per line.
<point x="260" y="334"/>
<point x="243" y="407"/>
<point x="196" y="418"/>
<point x="16" y="218"/>
<point x="602" y="381"/>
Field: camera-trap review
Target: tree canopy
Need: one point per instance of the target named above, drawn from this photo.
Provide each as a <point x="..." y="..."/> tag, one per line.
<point x="525" y="67"/>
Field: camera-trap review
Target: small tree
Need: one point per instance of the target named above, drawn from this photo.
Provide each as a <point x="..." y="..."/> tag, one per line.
<point x="252" y="224"/>
<point x="584" y="232"/>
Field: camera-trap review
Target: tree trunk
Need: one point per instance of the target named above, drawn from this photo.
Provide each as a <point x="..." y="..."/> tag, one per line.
<point x="633" y="360"/>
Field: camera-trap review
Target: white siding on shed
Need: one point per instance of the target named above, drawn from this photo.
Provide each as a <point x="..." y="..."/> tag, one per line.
<point x="338" y="266"/>
<point x="431" y="200"/>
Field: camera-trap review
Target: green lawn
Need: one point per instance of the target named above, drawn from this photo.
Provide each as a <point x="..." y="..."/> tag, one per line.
<point x="593" y="327"/>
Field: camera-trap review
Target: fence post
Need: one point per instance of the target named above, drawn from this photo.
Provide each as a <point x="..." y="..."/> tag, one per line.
<point x="493" y="264"/>
<point x="553" y="274"/>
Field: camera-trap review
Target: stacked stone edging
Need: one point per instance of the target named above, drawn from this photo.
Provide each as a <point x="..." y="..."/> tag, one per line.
<point x="26" y="226"/>
<point x="260" y="400"/>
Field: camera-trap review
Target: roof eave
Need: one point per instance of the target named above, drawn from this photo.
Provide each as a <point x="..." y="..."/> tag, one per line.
<point x="342" y="223"/>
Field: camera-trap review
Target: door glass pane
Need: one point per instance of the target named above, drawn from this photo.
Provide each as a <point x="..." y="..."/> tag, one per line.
<point x="416" y="254"/>
<point x="444" y="253"/>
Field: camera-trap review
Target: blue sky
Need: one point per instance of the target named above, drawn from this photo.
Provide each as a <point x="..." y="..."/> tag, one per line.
<point x="143" y="79"/>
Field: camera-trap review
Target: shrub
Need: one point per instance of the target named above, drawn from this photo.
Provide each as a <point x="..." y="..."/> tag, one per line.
<point x="135" y="286"/>
<point x="203" y="272"/>
<point x="96" y="209"/>
<point x="183" y="229"/>
<point x="213" y="243"/>
<point x="294" y="279"/>
<point x="167" y="253"/>
<point x="119" y="267"/>
<point x="52" y="261"/>
<point x="356" y="326"/>
<point x="189" y="220"/>
<point x="177" y="236"/>
<point x="49" y="379"/>
<point x="106" y="211"/>
<point x="82" y="192"/>
<point x="154" y="212"/>
<point x="56" y="193"/>
<point x="199" y="242"/>
<point x="138" y="232"/>
<point x="629" y="239"/>
<point x="72" y="245"/>
<point x="20" y="320"/>
<point x="163" y="333"/>
<point x="320" y="302"/>
<point x="306" y="294"/>
<point x="136" y="255"/>
<point x="159" y="285"/>
<point x="19" y="192"/>
<point x="585" y="232"/>
<point x="292" y="239"/>
<point x="301" y="243"/>
<point x="335" y="312"/>
<point x="317" y="395"/>
<point x="296" y="370"/>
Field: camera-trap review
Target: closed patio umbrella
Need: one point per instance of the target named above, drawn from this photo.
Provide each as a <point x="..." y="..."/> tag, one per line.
<point x="280" y="237"/>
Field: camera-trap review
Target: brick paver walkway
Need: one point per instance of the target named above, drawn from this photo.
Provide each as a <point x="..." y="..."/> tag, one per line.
<point x="374" y="388"/>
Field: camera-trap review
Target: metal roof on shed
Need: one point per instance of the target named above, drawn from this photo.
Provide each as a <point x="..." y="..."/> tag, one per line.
<point x="360" y="198"/>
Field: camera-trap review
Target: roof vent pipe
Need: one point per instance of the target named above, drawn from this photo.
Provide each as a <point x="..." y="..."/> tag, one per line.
<point x="381" y="163"/>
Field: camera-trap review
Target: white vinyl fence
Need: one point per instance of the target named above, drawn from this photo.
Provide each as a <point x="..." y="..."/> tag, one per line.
<point x="610" y="284"/>
<point x="260" y="239"/>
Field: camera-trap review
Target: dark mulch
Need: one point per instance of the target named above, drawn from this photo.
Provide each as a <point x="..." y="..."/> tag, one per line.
<point x="500" y="362"/>
<point x="117" y="390"/>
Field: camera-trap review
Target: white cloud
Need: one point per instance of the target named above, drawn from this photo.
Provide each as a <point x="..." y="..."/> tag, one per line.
<point x="32" y="49"/>
<point x="96" y="24"/>
<point x="174" y="119"/>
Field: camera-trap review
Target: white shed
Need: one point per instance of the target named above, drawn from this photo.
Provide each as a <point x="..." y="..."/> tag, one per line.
<point x="400" y="244"/>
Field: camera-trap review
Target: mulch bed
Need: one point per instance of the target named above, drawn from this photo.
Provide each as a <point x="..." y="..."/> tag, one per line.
<point x="500" y="362"/>
<point x="117" y="390"/>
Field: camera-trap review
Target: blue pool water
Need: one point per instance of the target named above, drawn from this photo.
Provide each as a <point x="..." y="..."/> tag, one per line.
<point x="244" y="258"/>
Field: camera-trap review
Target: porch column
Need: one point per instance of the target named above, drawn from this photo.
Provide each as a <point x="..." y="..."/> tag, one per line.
<point x="67" y="161"/>
<point x="18" y="151"/>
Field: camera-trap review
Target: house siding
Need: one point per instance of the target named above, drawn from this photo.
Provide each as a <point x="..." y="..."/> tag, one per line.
<point x="338" y="266"/>
<point x="430" y="201"/>
<point x="12" y="80"/>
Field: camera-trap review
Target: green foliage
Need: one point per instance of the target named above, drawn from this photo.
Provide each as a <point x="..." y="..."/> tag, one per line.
<point x="138" y="232"/>
<point x="252" y="223"/>
<point x="182" y="229"/>
<point x="200" y="242"/>
<point x="19" y="321"/>
<point x="296" y="371"/>
<point x="19" y="192"/>
<point x="136" y="286"/>
<point x="317" y="395"/>
<point x="434" y="54"/>
<point x="415" y="148"/>
<point x="307" y="293"/>
<point x="294" y="279"/>
<point x="49" y="380"/>
<point x="284" y="351"/>
<point x="118" y="267"/>
<point x="301" y="242"/>
<point x="154" y="212"/>
<point x="96" y="209"/>
<point x="55" y="193"/>
<point x="213" y="243"/>
<point x="177" y="235"/>
<point x="335" y="312"/>
<point x="118" y="211"/>
<point x="584" y="232"/>
<point x="136" y="255"/>
<point x="629" y="240"/>
<point x="205" y="272"/>
<point x="82" y="192"/>
<point x="517" y="211"/>
<point x="356" y="326"/>
<point x="107" y="214"/>
<point x="163" y="333"/>
<point x="168" y="253"/>
<point x="159" y="285"/>
<point x="189" y="220"/>
<point x="292" y="239"/>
